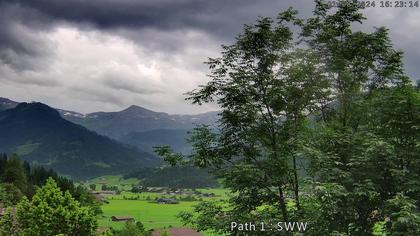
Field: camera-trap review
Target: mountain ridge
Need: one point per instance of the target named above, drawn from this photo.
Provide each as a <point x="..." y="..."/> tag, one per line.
<point x="140" y="127"/>
<point x="40" y="135"/>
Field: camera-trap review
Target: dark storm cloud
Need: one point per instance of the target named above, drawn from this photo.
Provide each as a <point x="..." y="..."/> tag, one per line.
<point x="107" y="54"/>
<point x="21" y="42"/>
<point x="219" y="19"/>
<point x="216" y="16"/>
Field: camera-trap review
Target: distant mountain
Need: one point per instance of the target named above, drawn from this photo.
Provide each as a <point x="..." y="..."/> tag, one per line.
<point x="146" y="140"/>
<point x="137" y="119"/>
<point x="138" y="126"/>
<point x="41" y="136"/>
<point x="7" y="104"/>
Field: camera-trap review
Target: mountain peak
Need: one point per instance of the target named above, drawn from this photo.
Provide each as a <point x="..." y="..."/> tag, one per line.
<point x="137" y="109"/>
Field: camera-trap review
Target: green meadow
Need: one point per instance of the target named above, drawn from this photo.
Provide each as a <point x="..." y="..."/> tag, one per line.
<point x="152" y="215"/>
<point x="141" y="206"/>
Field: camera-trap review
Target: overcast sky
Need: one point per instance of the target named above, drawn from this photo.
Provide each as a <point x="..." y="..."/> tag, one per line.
<point x="105" y="55"/>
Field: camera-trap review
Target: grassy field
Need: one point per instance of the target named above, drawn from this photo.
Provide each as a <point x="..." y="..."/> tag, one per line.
<point x="141" y="206"/>
<point x="152" y="215"/>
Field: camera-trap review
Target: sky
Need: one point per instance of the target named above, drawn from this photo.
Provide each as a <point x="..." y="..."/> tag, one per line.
<point x="105" y="55"/>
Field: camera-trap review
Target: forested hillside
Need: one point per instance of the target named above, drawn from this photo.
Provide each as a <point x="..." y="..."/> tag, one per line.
<point x="174" y="177"/>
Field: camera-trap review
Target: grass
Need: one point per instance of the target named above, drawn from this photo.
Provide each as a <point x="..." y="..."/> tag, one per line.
<point x="152" y="215"/>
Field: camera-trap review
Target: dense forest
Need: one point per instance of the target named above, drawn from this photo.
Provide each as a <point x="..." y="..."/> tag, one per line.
<point x="40" y="202"/>
<point x="319" y="124"/>
<point x="19" y="179"/>
<point x="174" y="177"/>
<point x="37" y="201"/>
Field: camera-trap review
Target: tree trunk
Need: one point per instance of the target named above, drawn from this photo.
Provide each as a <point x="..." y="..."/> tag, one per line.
<point x="296" y="185"/>
<point x="283" y="204"/>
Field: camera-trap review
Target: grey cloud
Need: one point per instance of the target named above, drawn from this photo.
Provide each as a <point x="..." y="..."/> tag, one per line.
<point x="116" y="82"/>
<point x="27" y="77"/>
<point x="23" y="23"/>
<point x="96" y="95"/>
<point x="219" y="17"/>
<point x="178" y="35"/>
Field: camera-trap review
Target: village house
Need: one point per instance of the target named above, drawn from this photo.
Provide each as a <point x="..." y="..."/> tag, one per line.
<point x="101" y="195"/>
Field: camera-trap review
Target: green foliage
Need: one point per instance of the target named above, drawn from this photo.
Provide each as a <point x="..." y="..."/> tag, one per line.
<point x="30" y="178"/>
<point x="404" y="216"/>
<point x="131" y="229"/>
<point x="8" y="224"/>
<point x="165" y="233"/>
<point x="342" y="107"/>
<point x="52" y="212"/>
<point x="265" y="88"/>
<point x="92" y="187"/>
<point x="87" y="199"/>
<point x="379" y="229"/>
<point x="10" y="195"/>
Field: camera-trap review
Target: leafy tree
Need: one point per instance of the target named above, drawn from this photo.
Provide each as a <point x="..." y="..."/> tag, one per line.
<point x="265" y="87"/>
<point x="52" y="212"/>
<point x="404" y="216"/>
<point x="92" y="187"/>
<point x="353" y="149"/>
<point x="8" y="224"/>
<point x="10" y="195"/>
<point x="341" y="107"/>
<point x="87" y="199"/>
<point x="131" y="229"/>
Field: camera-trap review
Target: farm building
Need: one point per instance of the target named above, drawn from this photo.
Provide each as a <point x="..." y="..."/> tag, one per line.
<point x="167" y="201"/>
<point x="101" y="195"/>
<point x="122" y="218"/>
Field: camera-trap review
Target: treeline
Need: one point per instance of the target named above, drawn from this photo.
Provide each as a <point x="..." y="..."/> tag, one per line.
<point x="40" y="202"/>
<point x="174" y="177"/>
<point x="18" y="179"/>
